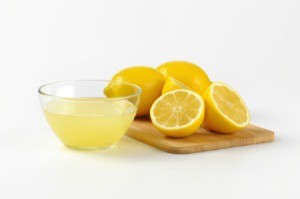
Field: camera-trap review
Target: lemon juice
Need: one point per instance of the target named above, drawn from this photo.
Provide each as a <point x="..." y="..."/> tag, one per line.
<point x="89" y="123"/>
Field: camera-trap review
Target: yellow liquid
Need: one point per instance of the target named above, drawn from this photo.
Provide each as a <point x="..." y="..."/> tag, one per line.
<point x="88" y="123"/>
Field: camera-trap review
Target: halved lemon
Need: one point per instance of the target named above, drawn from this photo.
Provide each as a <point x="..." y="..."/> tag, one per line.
<point x="178" y="113"/>
<point x="226" y="111"/>
<point x="173" y="84"/>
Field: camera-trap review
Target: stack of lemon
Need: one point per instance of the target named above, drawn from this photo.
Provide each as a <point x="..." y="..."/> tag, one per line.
<point x="180" y="98"/>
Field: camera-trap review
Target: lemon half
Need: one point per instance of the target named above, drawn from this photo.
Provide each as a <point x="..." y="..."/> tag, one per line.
<point x="178" y="113"/>
<point x="226" y="111"/>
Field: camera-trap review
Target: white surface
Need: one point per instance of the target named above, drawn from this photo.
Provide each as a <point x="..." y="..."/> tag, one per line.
<point x="252" y="45"/>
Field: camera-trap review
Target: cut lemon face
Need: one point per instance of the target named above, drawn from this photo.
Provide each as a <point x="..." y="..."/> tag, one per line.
<point x="173" y="84"/>
<point x="178" y="113"/>
<point x="226" y="111"/>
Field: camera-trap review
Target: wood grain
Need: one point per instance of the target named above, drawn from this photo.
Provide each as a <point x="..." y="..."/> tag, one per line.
<point x="202" y="140"/>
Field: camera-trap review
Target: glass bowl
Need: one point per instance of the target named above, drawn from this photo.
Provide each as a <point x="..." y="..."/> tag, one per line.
<point x="89" y="114"/>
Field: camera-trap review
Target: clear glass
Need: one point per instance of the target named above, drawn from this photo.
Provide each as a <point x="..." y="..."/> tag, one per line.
<point x="89" y="114"/>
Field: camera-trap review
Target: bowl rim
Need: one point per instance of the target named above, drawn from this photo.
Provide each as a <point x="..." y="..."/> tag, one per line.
<point x="136" y="94"/>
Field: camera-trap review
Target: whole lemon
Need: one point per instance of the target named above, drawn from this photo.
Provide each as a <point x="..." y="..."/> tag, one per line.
<point x="150" y="80"/>
<point x="188" y="73"/>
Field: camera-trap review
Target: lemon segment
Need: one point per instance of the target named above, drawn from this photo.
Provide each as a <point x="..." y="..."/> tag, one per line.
<point x="173" y="84"/>
<point x="188" y="73"/>
<point x="226" y="111"/>
<point x="178" y="113"/>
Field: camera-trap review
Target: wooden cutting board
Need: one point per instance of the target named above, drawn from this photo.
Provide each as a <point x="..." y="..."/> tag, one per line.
<point x="202" y="140"/>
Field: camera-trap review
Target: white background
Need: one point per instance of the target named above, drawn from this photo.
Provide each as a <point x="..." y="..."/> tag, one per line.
<point x="252" y="45"/>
